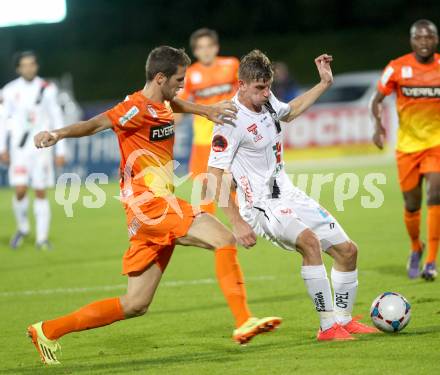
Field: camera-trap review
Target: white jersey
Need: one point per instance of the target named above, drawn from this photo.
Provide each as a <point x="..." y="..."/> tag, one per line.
<point x="252" y="151"/>
<point x="28" y="108"/>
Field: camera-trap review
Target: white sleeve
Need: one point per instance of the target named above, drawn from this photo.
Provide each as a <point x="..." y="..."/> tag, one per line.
<point x="224" y="144"/>
<point x="281" y="109"/>
<point x="56" y="116"/>
<point x="4" y="115"/>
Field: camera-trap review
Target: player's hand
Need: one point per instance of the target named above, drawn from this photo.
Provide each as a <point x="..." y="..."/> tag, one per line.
<point x="45" y="139"/>
<point x="379" y="136"/>
<point x="4" y="157"/>
<point x="244" y="234"/>
<point x="60" y="161"/>
<point x="222" y="113"/>
<point x="324" y="69"/>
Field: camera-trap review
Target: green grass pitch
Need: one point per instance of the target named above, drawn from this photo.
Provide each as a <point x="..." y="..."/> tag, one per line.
<point x="188" y="328"/>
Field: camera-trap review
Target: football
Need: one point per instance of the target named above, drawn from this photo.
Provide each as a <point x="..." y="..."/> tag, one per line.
<point x="390" y="312"/>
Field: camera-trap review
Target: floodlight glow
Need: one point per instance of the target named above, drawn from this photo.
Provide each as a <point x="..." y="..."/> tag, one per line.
<point x="29" y="12"/>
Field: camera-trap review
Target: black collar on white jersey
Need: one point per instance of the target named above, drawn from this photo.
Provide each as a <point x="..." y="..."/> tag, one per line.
<point x="273" y="114"/>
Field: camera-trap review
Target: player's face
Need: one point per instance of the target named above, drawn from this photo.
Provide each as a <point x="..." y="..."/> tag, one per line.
<point x="206" y="50"/>
<point x="173" y="84"/>
<point x="257" y="92"/>
<point x="424" y="42"/>
<point x="28" y="68"/>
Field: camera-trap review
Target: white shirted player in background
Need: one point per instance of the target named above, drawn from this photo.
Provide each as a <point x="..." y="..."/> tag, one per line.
<point x="29" y="106"/>
<point x="269" y="204"/>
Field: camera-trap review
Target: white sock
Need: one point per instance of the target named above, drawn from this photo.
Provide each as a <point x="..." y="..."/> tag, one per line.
<point x="21" y="213"/>
<point x="318" y="287"/>
<point x="42" y="218"/>
<point x="345" y="286"/>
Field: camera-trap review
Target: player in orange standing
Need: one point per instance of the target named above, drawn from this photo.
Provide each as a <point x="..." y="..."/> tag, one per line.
<point x="157" y="220"/>
<point x="209" y="80"/>
<point x="415" y="78"/>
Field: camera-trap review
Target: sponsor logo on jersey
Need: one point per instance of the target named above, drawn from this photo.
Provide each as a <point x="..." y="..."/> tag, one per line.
<point x="286" y="211"/>
<point x="214" y="90"/>
<point x="196" y="77"/>
<point x="219" y="143"/>
<point x="421" y="92"/>
<point x="254" y="130"/>
<point x="407" y="72"/>
<point x="133" y="111"/>
<point x="246" y="187"/>
<point x="152" y="111"/>
<point x="162" y="132"/>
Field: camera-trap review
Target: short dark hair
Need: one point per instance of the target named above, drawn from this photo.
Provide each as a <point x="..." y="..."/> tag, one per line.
<point x="423" y="23"/>
<point x="18" y="56"/>
<point x="166" y="60"/>
<point x="201" y="33"/>
<point x="255" y="66"/>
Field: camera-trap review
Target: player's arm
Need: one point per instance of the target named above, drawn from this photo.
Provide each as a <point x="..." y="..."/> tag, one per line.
<point x="220" y="113"/>
<point x="80" y="129"/>
<point x="304" y="101"/>
<point x="242" y="230"/>
<point x="376" y="112"/>
<point x="56" y="117"/>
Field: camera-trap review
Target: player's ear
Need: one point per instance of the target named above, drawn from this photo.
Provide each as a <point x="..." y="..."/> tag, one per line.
<point x="160" y="78"/>
<point x="242" y="84"/>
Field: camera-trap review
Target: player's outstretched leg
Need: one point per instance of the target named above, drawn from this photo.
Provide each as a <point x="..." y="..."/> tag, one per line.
<point x="208" y="232"/>
<point x="344" y="277"/>
<point x="42" y="220"/>
<point x="135" y="302"/>
<point x="315" y="278"/>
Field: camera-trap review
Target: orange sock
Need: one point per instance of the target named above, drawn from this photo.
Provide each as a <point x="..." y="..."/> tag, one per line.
<point x="209" y="208"/>
<point x="231" y="282"/>
<point x="96" y="314"/>
<point x="412" y="222"/>
<point x="433" y="232"/>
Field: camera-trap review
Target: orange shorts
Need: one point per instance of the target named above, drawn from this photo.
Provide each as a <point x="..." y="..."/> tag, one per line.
<point x="198" y="162"/>
<point x="411" y="166"/>
<point x="153" y="229"/>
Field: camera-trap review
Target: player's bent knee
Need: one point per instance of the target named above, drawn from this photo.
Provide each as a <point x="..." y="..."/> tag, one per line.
<point x="133" y="307"/>
<point x="308" y="244"/>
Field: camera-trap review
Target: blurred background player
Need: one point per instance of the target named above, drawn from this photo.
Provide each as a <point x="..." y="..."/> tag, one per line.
<point x="415" y="78"/>
<point x="284" y="85"/>
<point x="30" y="105"/>
<point x="209" y="80"/>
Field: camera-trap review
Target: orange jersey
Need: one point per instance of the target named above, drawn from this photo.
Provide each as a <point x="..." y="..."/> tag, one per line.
<point x="208" y="85"/>
<point x="417" y="88"/>
<point x="145" y="133"/>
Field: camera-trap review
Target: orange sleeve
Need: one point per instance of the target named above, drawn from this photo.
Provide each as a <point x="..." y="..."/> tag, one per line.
<point x="125" y="115"/>
<point x="387" y="83"/>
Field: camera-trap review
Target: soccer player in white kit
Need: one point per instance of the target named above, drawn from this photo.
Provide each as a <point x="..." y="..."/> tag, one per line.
<point x="30" y="106"/>
<point x="269" y="204"/>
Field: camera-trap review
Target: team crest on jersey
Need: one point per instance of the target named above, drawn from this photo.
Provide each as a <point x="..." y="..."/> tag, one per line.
<point x="407" y="72"/>
<point x="152" y="111"/>
<point x="196" y="77"/>
<point x="133" y="111"/>
<point x="219" y="143"/>
<point x="254" y="130"/>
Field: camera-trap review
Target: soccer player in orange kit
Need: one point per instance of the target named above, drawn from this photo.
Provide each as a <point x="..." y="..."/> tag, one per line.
<point x="209" y="80"/>
<point x="415" y="78"/>
<point x="157" y="220"/>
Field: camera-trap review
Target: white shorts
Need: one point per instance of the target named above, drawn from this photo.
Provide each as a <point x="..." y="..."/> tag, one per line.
<point x="34" y="169"/>
<point x="281" y="220"/>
